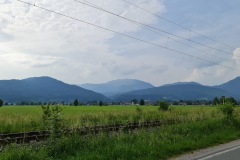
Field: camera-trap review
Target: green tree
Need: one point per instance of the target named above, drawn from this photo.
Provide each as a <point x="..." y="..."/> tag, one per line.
<point x="222" y="100"/>
<point x="163" y="106"/>
<point x="134" y="101"/>
<point x="1" y="103"/>
<point x="231" y="100"/>
<point x="142" y="102"/>
<point x="100" y="103"/>
<point x="76" y="102"/>
<point x="215" y="101"/>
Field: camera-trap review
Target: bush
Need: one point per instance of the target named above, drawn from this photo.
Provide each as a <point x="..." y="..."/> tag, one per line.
<point x="228" y="111"/>
<point x="139" y="110"/>
<point x="163" y="106"/>
<point x="52" y="120"/>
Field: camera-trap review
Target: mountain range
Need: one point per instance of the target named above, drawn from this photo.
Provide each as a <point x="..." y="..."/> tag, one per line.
<point x="44" y="89"/>
<point x="179" y="91"/>
<point x="116" y="87"/>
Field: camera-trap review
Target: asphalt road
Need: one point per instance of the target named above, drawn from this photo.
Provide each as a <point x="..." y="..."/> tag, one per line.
<point x="228" y="154"/>
<point x="229" y="151"/>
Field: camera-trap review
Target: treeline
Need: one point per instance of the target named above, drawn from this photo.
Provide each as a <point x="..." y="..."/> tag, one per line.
<point x="223" y="99"/>
<point x="76" y="102"/>
<point x="215" y="101"/>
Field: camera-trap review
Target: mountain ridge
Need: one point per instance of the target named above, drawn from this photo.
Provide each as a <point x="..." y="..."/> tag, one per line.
<point x="49" y="89"/>
<point x="118" y="86"/>
<point x="175" y="92"/>
<point x="232" y="86"/>
<point x="45" y="89"/>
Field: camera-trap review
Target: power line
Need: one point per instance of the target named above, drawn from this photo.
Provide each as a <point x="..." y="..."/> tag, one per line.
<point x="170" y="21"/>
<point x="145" y="26"/>
<point x="125" y="35"/>
<point x="150" y="27"/>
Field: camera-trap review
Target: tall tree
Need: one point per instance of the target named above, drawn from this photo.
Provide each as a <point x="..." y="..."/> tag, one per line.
<point x="100" y="103"/>
<point x="215" y="101"/>
<point x="134" y="101"/>
<point x="1" y="103"/>
<point x="231" y="100"/>
<point x="222" y="100"/>
<point x="76" y="103"/>
<point x="142" y="102"/>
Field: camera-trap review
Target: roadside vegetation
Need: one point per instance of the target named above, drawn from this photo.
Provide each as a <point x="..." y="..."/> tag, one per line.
<point x="194" y="127"/>
<point x="158" y="143"/>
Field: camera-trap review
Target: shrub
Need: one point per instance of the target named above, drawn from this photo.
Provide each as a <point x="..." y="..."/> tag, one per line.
<point x="228" y="111"/>
<point x="139" y="110"/>
<point x="163" y="106"/>
<point x="52" y="120"/>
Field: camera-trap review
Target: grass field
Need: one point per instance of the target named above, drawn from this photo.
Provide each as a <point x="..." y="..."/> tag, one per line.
<point x="196" y="127"/>
<point x="29" y="118"/>
<point x="156" y="144"/>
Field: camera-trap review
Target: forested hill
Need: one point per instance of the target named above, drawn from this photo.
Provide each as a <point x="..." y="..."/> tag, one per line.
<point x="44" y="89"/>
<point x="178" y="91"/>
<point x="232" y="86"/>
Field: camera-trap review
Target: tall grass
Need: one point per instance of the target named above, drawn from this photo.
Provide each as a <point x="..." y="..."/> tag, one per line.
<point x="158" y="143"/>
<point x="28" y="118"/>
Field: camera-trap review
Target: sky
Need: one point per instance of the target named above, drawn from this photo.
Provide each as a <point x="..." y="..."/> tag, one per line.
<point x="35" y="42"/>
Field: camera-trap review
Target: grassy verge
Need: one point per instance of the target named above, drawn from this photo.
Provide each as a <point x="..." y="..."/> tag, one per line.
<point x="158" y="143"/>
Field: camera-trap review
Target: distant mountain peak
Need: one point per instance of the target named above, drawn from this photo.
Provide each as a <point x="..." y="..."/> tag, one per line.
<point x="237" y="79"/>
<point x="232" y="86"/>
<point x="183" y="83"/>
<point x="41" y="77"/>
<point x="117" y="86"/>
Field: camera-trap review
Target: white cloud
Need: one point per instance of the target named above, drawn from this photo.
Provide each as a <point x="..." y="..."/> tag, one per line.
<point x="45" y="40"/>
<point x="236" y="56"/>
<point x="30" y="61"/>
<point x="34" y="42"/>
<point x="217" y="74"/>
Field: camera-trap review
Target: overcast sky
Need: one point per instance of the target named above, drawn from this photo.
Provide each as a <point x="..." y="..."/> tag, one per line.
<point x="34" y="42"/>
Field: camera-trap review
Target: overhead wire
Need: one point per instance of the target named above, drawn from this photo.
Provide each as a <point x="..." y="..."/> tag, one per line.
<point x="150" y="27"/>
<point x="146" y="27"/>
<point x="125" y="35"/>
<point x="179" y="25"/>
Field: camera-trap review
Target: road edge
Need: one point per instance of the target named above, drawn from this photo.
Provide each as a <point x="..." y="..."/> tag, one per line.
<point x="198" y="154"/>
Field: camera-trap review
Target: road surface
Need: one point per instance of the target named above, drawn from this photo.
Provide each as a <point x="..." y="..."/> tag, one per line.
<point x="229" y="151"/>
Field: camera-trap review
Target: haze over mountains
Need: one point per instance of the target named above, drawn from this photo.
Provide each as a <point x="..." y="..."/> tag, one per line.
<point x="116" y="87"/>
<point x="44" y="89"/>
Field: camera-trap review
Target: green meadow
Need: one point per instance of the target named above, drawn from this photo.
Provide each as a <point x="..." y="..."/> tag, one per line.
<point x="29" y="118"/>
<point x="194" y="127"/>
